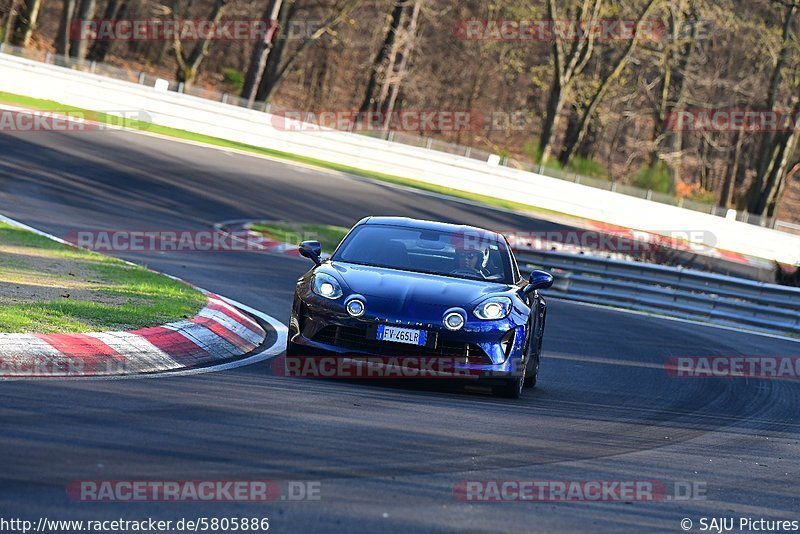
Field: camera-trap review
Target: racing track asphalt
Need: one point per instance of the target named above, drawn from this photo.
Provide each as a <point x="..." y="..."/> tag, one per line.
<point x="387" y="455"/>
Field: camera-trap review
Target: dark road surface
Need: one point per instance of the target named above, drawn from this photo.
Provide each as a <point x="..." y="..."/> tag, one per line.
<point x="387" y="455"/>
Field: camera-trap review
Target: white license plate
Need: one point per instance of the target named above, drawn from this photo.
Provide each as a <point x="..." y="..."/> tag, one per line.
<point x="402" y="335"/>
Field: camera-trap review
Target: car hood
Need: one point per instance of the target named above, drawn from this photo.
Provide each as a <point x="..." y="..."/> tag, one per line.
<point x="402" y="294"/>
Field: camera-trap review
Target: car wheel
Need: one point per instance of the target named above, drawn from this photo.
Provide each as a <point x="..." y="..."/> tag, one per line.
<point x="512" y="389"/>
<point x="533" y="373"/>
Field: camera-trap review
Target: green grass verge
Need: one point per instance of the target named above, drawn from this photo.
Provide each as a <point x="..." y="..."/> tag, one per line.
<point x="104" y="293"/>
<point x="49" y="105"/>
<point x="291" y="232"/>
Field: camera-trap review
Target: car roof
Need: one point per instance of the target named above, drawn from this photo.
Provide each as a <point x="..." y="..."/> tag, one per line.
<point x="406" y="222"/>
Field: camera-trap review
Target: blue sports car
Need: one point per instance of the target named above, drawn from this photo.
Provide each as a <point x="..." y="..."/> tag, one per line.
<point x="398" y="286"/>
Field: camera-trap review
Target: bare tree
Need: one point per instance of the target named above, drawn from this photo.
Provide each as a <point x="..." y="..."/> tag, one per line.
<point x="279" y="61"/>
<point x="115" y="9"/>
<point x="261" y="51"/>
<point x="25" y="23"/>
<point x="568" y="64"/>
<point x="776" y="149"/>
<point x="64" y="27"/>
<point x="188" y="65"/>
<point x="79" y="41"/>
<point x="378" y="63"/>
<point x="578" y="133"/>
<point x="11" y="18"/>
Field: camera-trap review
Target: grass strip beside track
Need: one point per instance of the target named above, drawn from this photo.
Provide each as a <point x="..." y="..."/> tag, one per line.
<point x="293" y="233"/>
<point x="48" y="287"/>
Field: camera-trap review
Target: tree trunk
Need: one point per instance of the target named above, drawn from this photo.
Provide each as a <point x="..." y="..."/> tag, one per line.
<point x="188" y="67"/>
<point x="261" y="51"/>
<point x="276" y="69"/>
<point x="397" y="67"/>
<point x="116" y="9"/>
<point x="369" y="101"/>
<point x="582" y="127"/>
<point x="11" y="19"/>
<point x="766" y="163"/>
<point x="79" y="44"/>
<point x="269" y="80"/>
<point x="567" y="65"/>
<point x="26" y="23"/>
<point x="555" y="103"/>
<point x="64" y="25"/>
<point x="729" y="185"/>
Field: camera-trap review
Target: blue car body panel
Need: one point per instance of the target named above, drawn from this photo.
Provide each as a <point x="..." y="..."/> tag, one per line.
<point x="416" y="300"/>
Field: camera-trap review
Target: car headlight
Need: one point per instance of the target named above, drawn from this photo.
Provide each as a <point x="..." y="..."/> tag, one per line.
<point x="493" y="308"/>
<point x="326" y="286"/>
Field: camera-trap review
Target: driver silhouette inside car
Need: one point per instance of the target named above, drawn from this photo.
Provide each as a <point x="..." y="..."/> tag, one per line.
<point x="471" y="260"/>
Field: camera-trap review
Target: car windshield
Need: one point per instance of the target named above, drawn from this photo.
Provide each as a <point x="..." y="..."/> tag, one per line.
<point x="473" y="255"/>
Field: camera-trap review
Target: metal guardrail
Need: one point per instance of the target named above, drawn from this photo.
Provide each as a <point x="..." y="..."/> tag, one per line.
<point x="669" y="290"/>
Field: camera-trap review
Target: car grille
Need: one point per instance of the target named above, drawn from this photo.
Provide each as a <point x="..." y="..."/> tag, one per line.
<point x="357" y="339"/>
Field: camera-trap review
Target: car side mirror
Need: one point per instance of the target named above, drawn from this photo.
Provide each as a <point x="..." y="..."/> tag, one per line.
<point x="311" y="250"/>
<point x="539" y="280"/>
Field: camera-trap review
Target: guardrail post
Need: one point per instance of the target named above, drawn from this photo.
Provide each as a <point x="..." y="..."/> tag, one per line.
<point x="180" y="87"/>
<point x="429" y="143"/>
<point x="92" y="66"/>
<point x="224" y="99"/>
<point x="141" y="78"/>
<point x="649" y="194"/>
<point x="467" y="152"/>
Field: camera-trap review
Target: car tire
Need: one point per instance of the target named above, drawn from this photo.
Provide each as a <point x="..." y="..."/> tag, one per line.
<point x="532" y="374"/>
<point x="512" y="389"/>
